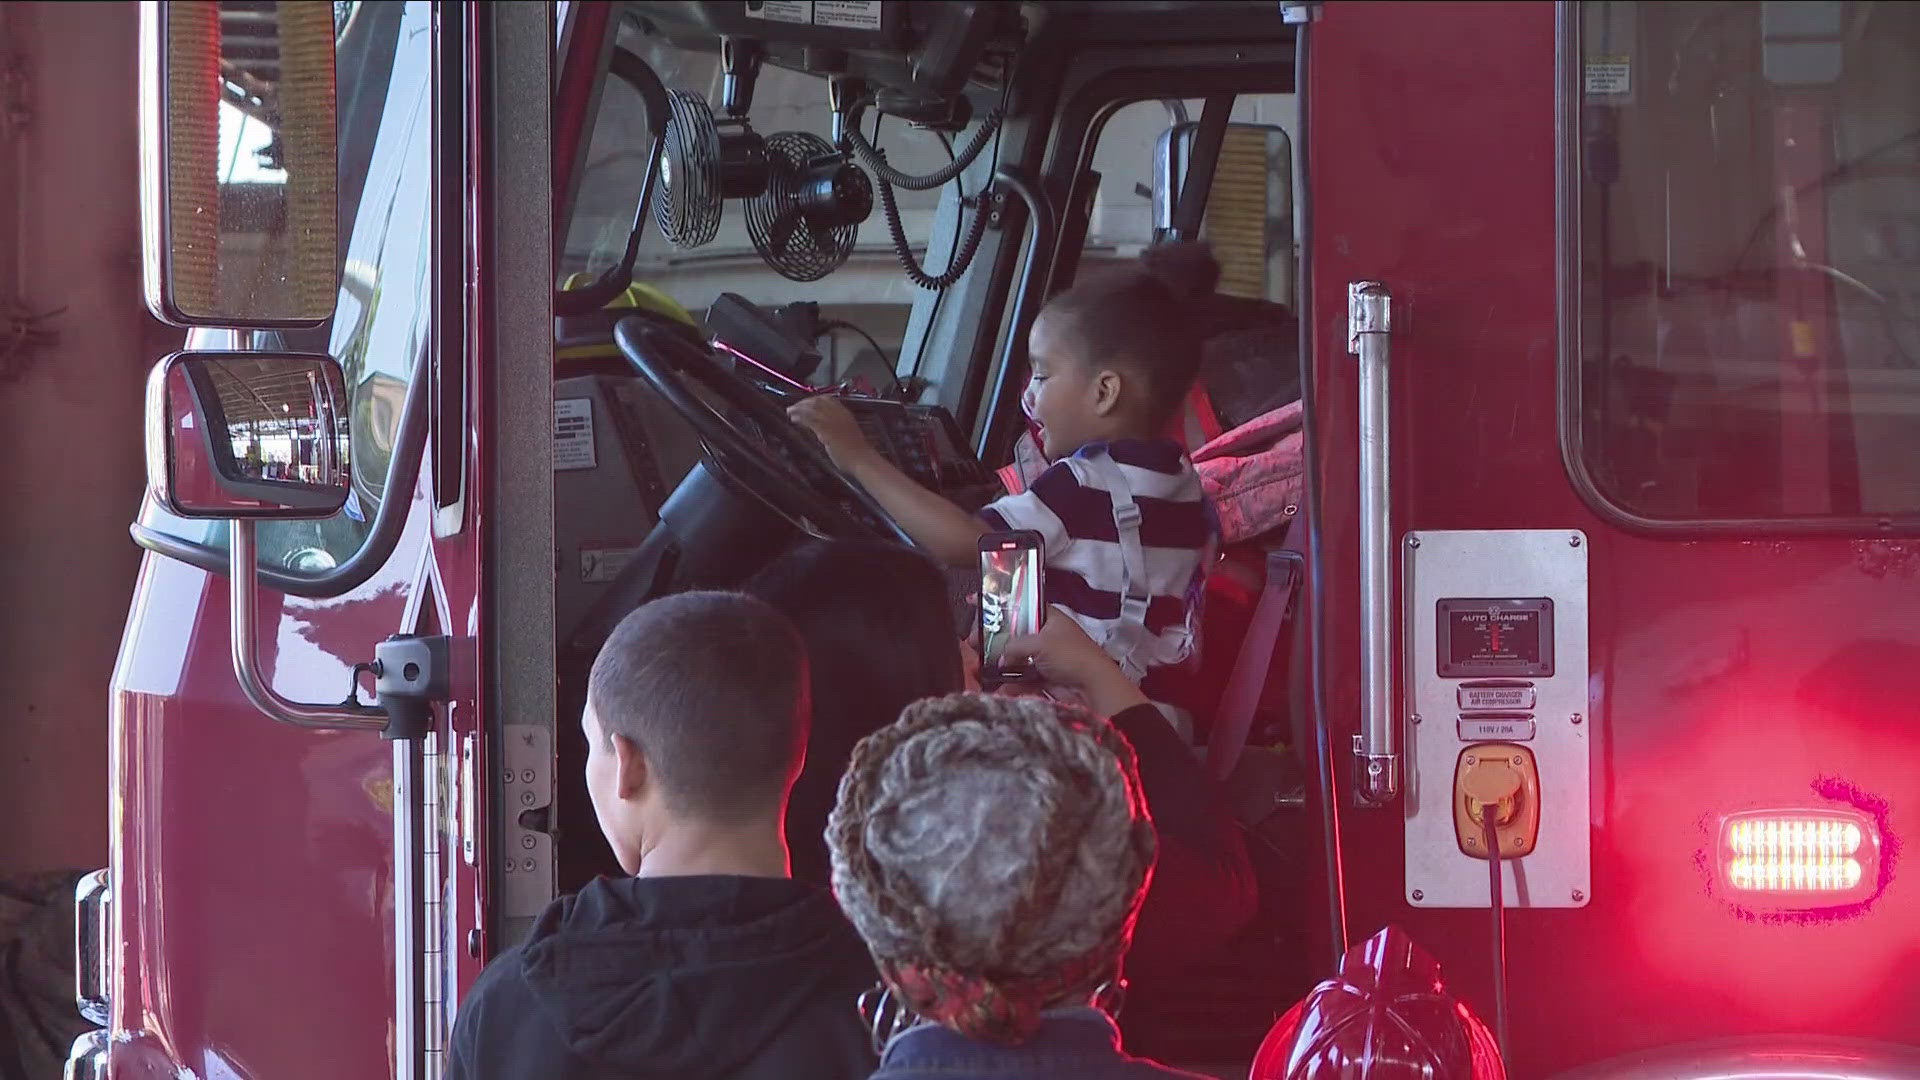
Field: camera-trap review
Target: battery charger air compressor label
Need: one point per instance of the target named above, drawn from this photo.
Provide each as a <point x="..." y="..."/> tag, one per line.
<point x="846" y="14"/>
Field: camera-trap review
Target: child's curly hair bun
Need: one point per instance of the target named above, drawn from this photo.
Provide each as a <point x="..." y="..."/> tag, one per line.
<point x="1187" y="268"/>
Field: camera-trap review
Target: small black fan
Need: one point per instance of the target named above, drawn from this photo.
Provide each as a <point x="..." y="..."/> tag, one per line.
<point x="804" y="223"/>
<point x="704" y="163"/>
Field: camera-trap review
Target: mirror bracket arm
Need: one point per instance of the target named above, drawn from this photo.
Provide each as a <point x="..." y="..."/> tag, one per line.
<point x="1187" y="213"/>
<point x="242" y="582"/>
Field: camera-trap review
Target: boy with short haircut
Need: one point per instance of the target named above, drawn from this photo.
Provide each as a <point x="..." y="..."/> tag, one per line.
<point x="707" y="961"/>
<point x="1128" y="531"/>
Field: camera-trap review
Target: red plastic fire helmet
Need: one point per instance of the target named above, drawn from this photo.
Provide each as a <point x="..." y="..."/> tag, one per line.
<point x="1386" y="1016"/>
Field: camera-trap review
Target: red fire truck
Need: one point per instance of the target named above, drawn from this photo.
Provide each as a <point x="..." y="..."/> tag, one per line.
<point x="1587" y="659"/>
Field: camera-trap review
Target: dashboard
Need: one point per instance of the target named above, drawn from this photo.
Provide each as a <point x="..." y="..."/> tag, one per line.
<point x="923" y="441"/>
<point x="621" y="450"/>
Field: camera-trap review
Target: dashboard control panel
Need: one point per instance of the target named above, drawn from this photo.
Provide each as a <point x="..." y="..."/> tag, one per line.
<point x="923" y="441"/>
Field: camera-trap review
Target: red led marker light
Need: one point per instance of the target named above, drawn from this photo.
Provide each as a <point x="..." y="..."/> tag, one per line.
<point x="1799" y="859"/>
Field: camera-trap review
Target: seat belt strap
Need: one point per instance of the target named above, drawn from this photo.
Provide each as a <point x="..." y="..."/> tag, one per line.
<point x="1233" y="720"/>
<point x="1125" y="638"/>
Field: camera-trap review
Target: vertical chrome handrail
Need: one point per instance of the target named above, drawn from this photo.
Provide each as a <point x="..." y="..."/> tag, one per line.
<point x="1369" y="322"/>
<point x="409" y="1001"/>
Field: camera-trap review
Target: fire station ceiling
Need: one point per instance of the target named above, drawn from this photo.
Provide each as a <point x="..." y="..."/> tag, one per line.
<point x="250" y="44"/>
<point x="261" y="390"/>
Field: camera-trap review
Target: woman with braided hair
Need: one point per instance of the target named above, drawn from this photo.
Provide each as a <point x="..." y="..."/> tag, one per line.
<point x="993" y="853"/>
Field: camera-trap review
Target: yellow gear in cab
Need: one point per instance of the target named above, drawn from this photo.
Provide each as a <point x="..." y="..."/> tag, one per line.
<point x="637" y="296"/>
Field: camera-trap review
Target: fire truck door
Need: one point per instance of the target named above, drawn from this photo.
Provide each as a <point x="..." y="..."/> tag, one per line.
<point x="1432" y="259"/>
<point x="493" y="453"/>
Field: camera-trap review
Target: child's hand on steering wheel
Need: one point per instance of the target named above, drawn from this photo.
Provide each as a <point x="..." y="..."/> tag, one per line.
<point x="833" y="424"/>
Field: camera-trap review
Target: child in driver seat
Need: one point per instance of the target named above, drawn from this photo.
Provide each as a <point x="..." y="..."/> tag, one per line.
<point x="1128" y="531"/>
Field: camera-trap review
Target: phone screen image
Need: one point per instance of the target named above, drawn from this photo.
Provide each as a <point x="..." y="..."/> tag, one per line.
<point x="1010" y="577"/>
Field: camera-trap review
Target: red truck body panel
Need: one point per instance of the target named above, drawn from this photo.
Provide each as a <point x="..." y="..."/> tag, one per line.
<point x="1726" y="673"/>
<point x="253" y="862"/>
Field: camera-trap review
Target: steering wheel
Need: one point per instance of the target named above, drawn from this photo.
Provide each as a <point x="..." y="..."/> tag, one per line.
<point x="674" y="366"/>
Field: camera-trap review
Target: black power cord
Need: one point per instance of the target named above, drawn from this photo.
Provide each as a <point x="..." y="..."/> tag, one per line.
<point x="1326" y="774"/>
<point x="828" y="326"/>
<point x="1490" y="835"/>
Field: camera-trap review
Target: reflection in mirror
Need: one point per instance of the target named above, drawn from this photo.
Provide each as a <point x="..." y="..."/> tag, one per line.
<point x="241" y="217"/>
<point x="247" y="435"/>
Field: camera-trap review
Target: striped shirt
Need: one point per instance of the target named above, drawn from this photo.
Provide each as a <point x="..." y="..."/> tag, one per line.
<point x="1072" y="506"/>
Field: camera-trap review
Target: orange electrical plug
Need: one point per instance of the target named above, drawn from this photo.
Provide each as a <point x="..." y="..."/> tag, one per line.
<point x="1503" y="776"/>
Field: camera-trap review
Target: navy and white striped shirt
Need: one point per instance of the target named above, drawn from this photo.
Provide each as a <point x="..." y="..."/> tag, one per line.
<point x="1071" y="506"/>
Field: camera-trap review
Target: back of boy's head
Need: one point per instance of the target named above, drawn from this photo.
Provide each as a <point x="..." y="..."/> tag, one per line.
<point x="1138" y="317"/>
<point x="712" y="688"/>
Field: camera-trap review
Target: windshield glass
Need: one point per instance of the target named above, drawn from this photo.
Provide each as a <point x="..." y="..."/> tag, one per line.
<point x="379" y="327"/>
<point x="868" y="293"/>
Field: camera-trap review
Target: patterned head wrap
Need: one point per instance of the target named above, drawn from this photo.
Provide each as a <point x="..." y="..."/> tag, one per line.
<point x="993" y="853"/>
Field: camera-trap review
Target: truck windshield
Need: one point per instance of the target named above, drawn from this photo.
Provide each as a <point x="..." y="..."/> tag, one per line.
<point x="1748" y="343"/>
<point x="868" y="291"/>
<point x="379" y="327"/>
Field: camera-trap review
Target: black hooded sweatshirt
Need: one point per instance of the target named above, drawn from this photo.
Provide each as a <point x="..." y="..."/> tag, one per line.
<point x="716" y="977"/>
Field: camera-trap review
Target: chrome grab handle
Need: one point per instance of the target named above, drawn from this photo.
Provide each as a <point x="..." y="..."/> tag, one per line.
<point x="1369" y="323"/>
<point x="92" y="899"/>
<point x="242" y="582"/>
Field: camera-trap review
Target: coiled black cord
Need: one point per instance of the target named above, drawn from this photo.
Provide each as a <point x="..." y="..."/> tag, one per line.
<point x="873" y="159"/>
<point x="903" y="251"/>
<point x="889" y="177"/>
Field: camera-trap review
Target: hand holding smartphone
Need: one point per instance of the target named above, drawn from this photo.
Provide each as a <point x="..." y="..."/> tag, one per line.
<point x="1011" y="597"/>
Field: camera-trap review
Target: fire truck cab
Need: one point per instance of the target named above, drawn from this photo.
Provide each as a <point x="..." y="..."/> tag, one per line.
<point x="1580" y="654"/>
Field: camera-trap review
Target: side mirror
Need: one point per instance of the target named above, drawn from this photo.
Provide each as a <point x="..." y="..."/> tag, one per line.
<point x="1249" y="219"/>
<point x="238" y="162"/>
<point x="247" y="435"/>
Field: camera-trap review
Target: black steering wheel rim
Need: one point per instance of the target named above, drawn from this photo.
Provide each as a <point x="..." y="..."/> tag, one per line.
<point x="672" y="364"/>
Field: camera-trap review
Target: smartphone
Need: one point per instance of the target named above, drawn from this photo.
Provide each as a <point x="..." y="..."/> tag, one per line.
<point x="1011" y="597"/>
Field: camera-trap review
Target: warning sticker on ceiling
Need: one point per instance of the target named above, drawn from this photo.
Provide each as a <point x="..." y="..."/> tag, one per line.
<point x="787" y="11"/>
<point x="852" y="14"/>
<point x="573" y="434"/>
<point x="845" y="14"/>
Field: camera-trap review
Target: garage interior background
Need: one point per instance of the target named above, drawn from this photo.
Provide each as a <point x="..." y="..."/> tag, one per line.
<point x="75" y="343"/>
